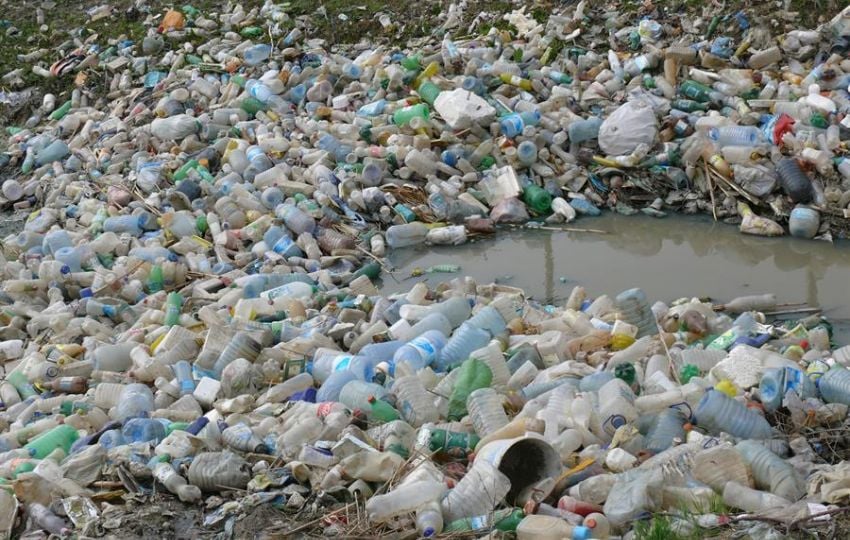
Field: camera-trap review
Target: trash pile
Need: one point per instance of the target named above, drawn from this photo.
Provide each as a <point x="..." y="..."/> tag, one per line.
<point x="192" y="307"/>
<point x="592" y="108"/>
<point x="462" y="409"/>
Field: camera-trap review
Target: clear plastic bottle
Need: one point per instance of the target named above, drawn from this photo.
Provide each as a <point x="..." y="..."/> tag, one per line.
<point x="771" y="471"/>
<point x="834" y="385"/>
<point x="465" y="339"/>
<point x="414" y="402"/>
<point x="486" y="411"/>
<point x="419" y="352"/>
<point x="408" y="234"/>
<point x="135" y="400"/>
<point x="404" y="499"/>
<point x="176" y="484"/>
<point x="718" y="412"/>
<point x="356" y="394"/>
<point x="667" y="427"/>
<point x="735" y="135"/>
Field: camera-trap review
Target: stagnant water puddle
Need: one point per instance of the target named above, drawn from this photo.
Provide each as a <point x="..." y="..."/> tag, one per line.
<point x="668" y="258"/>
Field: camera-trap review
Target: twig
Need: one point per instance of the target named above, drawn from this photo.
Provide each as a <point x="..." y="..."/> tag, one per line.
<point x="567" y="229"/>
<point x="315" y="521"/>
<point x="710" y="190"/>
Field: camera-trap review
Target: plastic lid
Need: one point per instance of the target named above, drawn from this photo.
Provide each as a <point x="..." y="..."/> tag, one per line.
<point x="429" y="531"/>
<point x="590" y="522"/>
<point x="582" y="533"/>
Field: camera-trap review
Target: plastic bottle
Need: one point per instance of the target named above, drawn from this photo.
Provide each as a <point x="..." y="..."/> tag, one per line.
<point x="540" y="527"/>
<point x="794" y="181"/>
<point x="718" y="412"/>
<point x="477" y="493"/>
<point x="735" y="135"/>
<point x="667" y="428"/>
<point x="62" y="436"/>
<point x="834" y="385"/>
<point x="750" y="500"/>
<point x="403" y="499"/>
<point x="176" y="484"/>
<point x="48" y="520"/>
<point x="414" y="402"/>
<point x="256" y="53"/>
<point x="465" y="339"/>
<point x="137" y="430"/>
<point x="486" y="411"/>
<point x="408" y="234"/>
<point x="429" y="519"/>
<point x="135" y="400"/>
<point x="804" y="222"/>
<point x="771" y="471"/>
<point x="420" y="352"/>
<point x="584" y="130"/>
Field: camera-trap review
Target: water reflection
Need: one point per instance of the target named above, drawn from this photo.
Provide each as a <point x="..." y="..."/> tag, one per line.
<point x="669" y="258"/>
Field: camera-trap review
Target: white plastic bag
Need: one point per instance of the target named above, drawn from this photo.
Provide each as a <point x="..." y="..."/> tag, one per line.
<point x="634" y="123"/>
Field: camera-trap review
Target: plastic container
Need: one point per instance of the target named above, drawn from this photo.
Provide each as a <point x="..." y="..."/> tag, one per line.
<point x="770" y="471"/>
<point x="718" y="412"/>
<point x="804" y="222"/>
<point x="408" y="234"/>
<point x="834" y="385"/>
<point x="794" y="181"/>
<point x="466" y="338"/>
<point x="486" y="411"/>
<point x="735" y="135"/>
<point x="135" y="400"/>
<point x="403" y="500"/>
<point x="478" y="492"/>
<point x="667" y="428"/>
<point x="414" y="402"/>
<point x="356" y="394"/>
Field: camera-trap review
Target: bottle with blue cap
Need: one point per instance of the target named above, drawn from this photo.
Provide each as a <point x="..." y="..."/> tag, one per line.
<point x="541" y="527"/>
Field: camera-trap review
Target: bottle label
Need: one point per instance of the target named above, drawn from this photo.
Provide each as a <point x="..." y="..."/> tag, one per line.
<point x="341" y="363"/>
<point x="426" y="350"/>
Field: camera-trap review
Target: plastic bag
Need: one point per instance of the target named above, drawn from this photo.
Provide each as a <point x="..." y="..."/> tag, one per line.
<point x="510" y="210"/>
<point x="632" y="124"/>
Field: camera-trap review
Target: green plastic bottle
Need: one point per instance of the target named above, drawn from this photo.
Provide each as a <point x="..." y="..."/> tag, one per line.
<point x="176" y="426"/>
<point x="688" y="105"/>
<point x="504" y="519"/>
<point x="173" y="307"/>
<point x="62" y="436"/>
<point x="382" y="411"/>
<point x="21" y="384"/>
<point x="403" y="116"/>
<point x="412" y="62"/>
<point x="155" y="279"/>
<point x="183" y="171"/>
<point x="443" y="439"/>
<point x="429" y="91"/>
<point x="625" y="372"/>
<point x="696" y="91"/>
<point x="688" y="372"/>
<point x="252" y="105"/>
<point x="60" y="113"/>
<point x="537" y="198"/>
<point x="371" y="270"/>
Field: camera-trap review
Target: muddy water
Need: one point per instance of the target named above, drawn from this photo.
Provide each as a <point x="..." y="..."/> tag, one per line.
<point x="668" y="258"/>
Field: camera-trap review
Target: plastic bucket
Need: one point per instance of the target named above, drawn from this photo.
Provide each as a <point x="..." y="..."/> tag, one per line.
<point x="524" y="460"/>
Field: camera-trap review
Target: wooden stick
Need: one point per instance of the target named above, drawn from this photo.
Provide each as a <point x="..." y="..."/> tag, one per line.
<point x="710" y="190"/>
<point x="567" y="229"/>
